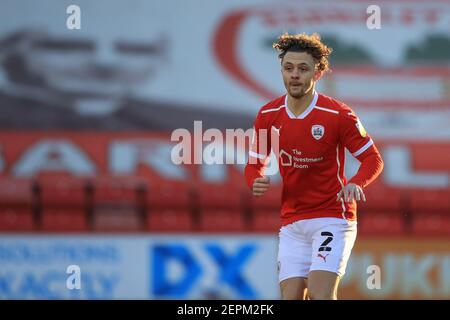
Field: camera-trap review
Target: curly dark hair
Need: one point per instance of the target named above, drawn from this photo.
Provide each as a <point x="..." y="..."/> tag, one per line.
<point x="304" y="43"/>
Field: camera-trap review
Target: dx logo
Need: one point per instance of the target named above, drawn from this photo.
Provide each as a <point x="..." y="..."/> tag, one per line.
<point x="194" y="264"/>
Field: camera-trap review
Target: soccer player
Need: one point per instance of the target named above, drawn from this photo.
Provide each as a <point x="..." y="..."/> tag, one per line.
<point x="318" y="211"/>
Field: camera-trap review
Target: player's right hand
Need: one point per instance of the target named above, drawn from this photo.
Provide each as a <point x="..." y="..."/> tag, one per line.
<point x="260" y="186"/>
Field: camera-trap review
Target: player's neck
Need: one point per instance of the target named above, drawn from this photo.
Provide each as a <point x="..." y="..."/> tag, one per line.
<point x="299" y="105"/>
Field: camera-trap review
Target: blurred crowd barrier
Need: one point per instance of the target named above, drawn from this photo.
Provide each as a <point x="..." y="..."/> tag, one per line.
<point x="206" y="266"/>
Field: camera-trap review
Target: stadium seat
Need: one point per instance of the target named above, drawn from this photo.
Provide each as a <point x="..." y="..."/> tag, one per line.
<point x="117" y="218"/>
<point x="380" y="198"/>
<point x="425" y="199"/>
<point x="118" y="203"/>
<point x="166" y="220"/>
<point x="16" y="219"/>
<point x="376" y="223"/>
<point x="222" y="220"/>
<point x="62" y="192"/>
<point x="168" y="194"/>
<point x="431" y="223"/>
<point x="117" y="190"/>
<point x="266" y="221"/>
<point x="64" y="219"/>
<point x="212" y="195"/>
<point x="16" y="192"/>
<point x="270" y="200"/>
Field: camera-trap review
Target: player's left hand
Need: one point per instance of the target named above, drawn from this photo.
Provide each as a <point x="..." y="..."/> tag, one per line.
<point x="351" y="192"/>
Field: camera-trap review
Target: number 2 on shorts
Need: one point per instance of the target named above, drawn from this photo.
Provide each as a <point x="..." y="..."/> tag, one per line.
<point x="323" y="246"/>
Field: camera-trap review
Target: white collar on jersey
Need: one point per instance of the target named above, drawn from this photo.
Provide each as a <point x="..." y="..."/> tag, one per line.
<point x="304" y="113"/>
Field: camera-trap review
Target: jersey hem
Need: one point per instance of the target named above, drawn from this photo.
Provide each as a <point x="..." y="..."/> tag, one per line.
<point x="286" y="221"/>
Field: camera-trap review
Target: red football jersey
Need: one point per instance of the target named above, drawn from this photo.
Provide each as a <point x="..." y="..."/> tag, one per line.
<point x="310" y="155"/>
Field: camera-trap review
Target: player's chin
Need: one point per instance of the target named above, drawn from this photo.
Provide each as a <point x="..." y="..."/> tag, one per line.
<point x="296" y="93"/>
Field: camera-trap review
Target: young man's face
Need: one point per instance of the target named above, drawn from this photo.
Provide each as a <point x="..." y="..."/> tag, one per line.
<point x="299" y="73"/>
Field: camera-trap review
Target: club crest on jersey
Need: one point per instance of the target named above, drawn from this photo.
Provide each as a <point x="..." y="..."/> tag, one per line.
<point x="361" y="129"/>
<point x="317" y="131"/>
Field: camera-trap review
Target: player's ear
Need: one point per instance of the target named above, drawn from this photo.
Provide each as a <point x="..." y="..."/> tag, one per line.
<point x="318" y="75"/>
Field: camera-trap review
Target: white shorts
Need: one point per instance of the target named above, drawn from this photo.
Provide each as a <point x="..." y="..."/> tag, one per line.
<point x="315" y="244"/>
